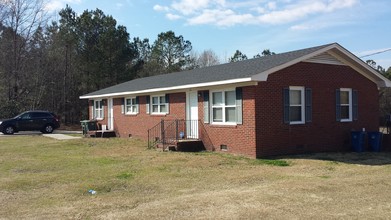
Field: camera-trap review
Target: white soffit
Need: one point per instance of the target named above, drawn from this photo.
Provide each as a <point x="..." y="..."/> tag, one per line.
<point x="263" y="75"/>
<point x="324" y="58"/>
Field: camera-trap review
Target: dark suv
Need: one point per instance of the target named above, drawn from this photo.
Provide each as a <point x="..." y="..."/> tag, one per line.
<point x="43" y="121"/>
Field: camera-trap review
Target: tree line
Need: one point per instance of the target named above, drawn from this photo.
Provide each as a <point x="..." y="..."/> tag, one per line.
<point x="46" y="64"/>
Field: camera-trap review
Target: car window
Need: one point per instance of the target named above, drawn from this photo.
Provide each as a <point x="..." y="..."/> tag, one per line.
<point x="39" y="115"/>
<point x="25" y="116"/>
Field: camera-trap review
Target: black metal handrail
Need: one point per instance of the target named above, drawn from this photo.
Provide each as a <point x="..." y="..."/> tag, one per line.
<point x="169" y="132"/>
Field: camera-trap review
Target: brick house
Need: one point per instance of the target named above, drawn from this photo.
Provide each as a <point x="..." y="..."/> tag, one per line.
<point x="301" y="101"/>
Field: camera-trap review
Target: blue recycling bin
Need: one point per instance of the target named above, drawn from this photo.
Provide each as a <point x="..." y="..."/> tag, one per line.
<point x="358" y="138"/>
<point x="374" y="140"/>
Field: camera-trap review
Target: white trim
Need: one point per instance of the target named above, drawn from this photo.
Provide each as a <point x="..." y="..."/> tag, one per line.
<point x="302" y="104"/>
<point x="102" y="109"/>
<point x="263" y="75"/>
<point x="132" y="104"/>
<point x="340" y="54"/>
<point x="159" y="104"/>
<point x="192" y="123"/>
<point x="325" y="58"/>
<point x="364" y="69"/>
<point x="350" y="119"/>
<point x="223" y="106"/>
<point x="190" y="86"/>
<point x="110" y="115"/>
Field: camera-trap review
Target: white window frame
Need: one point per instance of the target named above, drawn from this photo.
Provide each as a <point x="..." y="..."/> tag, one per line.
<point x="223" y="107"/>
<point x="302" y="105"/>
<point x="98" y="113"/>
<point x="350" y="104"/>
<point x="133" y="103"/>
<point x="159" y="112"/>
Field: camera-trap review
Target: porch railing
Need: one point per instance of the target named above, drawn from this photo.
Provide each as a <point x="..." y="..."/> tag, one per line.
<point x="169" y="132"/>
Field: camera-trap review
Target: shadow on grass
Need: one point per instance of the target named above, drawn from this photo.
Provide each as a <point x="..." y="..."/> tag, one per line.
<point x="364" y="158"/>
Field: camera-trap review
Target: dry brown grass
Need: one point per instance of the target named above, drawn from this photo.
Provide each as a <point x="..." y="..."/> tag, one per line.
<point x="49" y="179"/>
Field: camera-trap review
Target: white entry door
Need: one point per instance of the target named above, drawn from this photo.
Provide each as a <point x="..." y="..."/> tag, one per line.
<point x="192" y="114"/>
<point x="110" y="118"/>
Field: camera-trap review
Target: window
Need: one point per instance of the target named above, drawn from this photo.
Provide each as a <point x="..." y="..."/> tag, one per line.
<point x="131" y="105"/>
<point x="346" y="106"/>
<point x="98" y="109"/>
<point x="26" y="116"/>
<point x="40" y="115"/>
<point x="160" y="104"/>
<point x="224" y="107"/>
<point x="297" y="105"/>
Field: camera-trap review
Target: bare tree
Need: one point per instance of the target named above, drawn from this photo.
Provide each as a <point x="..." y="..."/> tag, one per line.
<point x="207" y="58"/>
<point x="21" y="20"/>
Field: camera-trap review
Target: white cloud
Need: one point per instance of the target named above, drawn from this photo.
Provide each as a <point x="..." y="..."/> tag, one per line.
<point x="272" y="5"/>
<point x="160" y="8"/>
<point x="220" y="18"/>
<point x="53" y="5"/>
<point x="227" y="13"/>
<point x="188" y="7"/>
<point x="173" y="17"/>
<point x="301" y="27"/>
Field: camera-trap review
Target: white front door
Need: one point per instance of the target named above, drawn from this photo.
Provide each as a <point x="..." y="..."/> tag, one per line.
<point x="110" y="117"/>
<point x="192" y="114"/>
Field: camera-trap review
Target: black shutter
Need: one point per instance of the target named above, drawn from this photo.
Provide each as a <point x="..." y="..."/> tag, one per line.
<point x="168" y="103"/>
<point x="338" y="105"/>
<point x="206" y="106"/>
<point x="148" y="106"/>
<point x="308" y="105"/>
<point x="123" y="105"/>
<point x="355" y="105"/>
<point x="286" y="106"/>
<point x="239" y="107"/>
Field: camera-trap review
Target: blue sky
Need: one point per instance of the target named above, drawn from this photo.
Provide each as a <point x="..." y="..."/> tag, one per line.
<point x="361" y="26"/>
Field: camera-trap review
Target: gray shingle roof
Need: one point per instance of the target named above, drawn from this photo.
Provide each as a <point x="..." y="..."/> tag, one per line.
<point x="228" y="71"/>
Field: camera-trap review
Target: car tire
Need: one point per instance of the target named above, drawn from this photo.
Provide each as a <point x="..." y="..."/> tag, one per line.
<point x="9" y="130"/>
<point x="48" y="129"/>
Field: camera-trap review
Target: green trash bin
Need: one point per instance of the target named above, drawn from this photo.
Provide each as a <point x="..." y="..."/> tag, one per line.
<point x="88" y="125"/>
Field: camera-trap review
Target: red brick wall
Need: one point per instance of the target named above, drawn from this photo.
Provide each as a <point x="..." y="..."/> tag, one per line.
<point x="263" y="132"/>
<point x="324" y="133"/>
<point x="240" y="139"/>
<point x="138" y="125"/>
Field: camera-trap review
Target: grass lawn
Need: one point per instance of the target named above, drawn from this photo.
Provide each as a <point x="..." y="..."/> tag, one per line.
<point x="49" y="179"/>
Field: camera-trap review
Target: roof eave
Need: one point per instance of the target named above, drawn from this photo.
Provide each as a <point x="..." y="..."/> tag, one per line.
<point x="165" y="89"/>
<point x="339" y="52"/>
<point x="360" y="66"/>
<point x="263" y="75"/>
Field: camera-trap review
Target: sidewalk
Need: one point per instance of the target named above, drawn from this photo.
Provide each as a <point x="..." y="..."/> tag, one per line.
<point x="60" y="136"/>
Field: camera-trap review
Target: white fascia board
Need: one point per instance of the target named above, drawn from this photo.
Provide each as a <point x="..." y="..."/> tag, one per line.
<point x="366" y="70"/>
<point x="263" y="76"/>
<point x="182" y="87"/>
